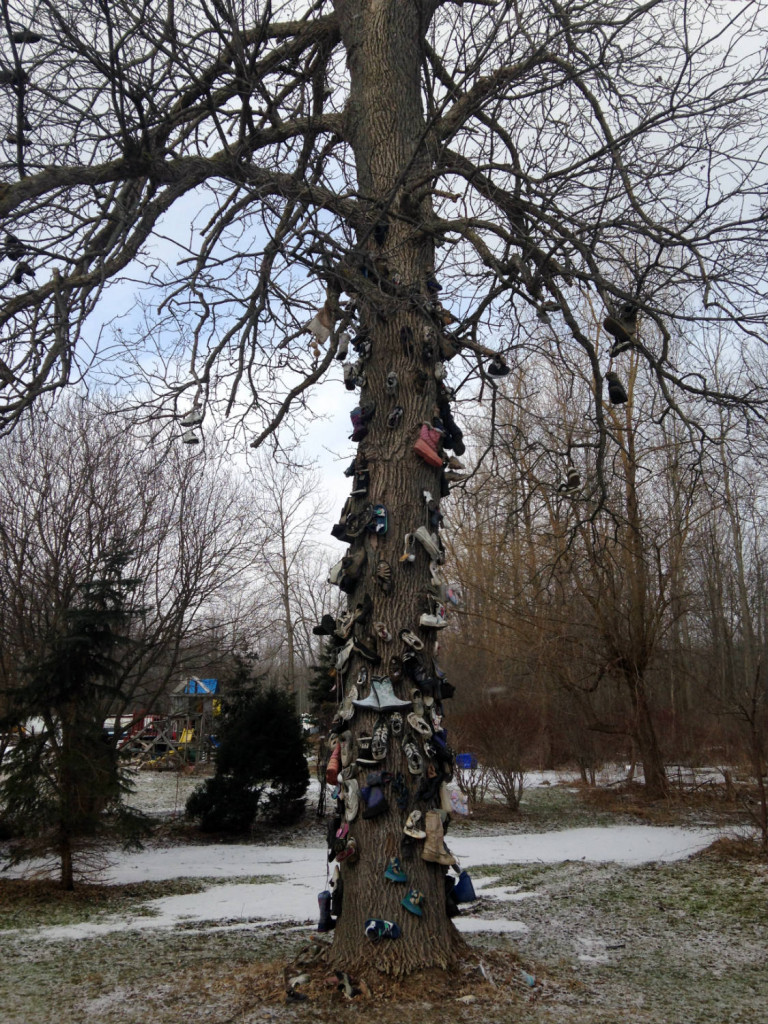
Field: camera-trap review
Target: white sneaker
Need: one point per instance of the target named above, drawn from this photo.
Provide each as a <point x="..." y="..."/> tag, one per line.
<point x="430" y="542"/>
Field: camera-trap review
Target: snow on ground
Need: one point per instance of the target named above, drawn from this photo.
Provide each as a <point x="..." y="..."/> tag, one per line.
<point x="165" y="794"/>
<point x="297" y="874"/>
<point x="625" y="844"/>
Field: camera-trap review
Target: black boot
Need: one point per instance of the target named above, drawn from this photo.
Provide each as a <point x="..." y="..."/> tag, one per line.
<point x="326" y="922"/>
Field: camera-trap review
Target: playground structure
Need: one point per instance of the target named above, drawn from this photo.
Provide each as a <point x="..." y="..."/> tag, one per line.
<point x="183" y="736"/>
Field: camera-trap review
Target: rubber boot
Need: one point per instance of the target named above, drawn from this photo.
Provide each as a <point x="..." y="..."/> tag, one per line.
<point x="386" y="695"/>
<point x="326" y="922"/>
<point x="337" y="896"/>
<point x="334" y="766"/>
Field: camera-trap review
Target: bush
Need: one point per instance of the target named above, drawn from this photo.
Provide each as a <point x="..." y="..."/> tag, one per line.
<point x="261" y="769"/>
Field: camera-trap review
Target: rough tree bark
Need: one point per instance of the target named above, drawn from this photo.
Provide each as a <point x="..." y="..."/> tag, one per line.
<point x="389" y="136"/>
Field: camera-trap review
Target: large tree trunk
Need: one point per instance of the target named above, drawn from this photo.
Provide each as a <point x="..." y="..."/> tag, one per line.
<point x="383" y="43"/>
<point x="644" y="737"/>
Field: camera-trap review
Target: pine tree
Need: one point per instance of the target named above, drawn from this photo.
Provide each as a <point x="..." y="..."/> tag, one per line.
<point x="260" y="764"/>
<point x="63" y="775"/>
<point x="322" y="687"/>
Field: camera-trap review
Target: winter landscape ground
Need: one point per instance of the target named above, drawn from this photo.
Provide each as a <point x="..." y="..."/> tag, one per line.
<point x="593" y="909"/>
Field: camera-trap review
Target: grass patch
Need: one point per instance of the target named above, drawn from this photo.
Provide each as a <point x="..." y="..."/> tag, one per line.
<point x="548" y="808"/>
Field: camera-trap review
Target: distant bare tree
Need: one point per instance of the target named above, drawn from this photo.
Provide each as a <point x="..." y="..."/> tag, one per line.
<point x="73" y="482"/>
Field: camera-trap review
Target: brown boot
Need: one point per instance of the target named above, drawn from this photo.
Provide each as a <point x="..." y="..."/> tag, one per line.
<point x="434" y="845"/>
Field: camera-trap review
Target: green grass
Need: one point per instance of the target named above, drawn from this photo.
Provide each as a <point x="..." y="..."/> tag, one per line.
<point x="677" y="943"/>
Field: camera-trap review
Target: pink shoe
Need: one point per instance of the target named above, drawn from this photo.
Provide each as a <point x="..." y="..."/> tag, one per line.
<point x="426" y="445"/>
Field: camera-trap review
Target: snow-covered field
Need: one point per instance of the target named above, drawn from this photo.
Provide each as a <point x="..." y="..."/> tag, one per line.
<point x="296" y="875"/>
<point x="621" y="923"/>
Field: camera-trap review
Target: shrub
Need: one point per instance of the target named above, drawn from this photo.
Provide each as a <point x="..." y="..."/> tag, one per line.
<point x="261" y="769"/>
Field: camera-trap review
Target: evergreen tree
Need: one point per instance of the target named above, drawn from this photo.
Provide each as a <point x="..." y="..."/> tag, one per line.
<point x="260" y="765"/>
<point x="63" y="775"/>
<point x="321" y="689"/>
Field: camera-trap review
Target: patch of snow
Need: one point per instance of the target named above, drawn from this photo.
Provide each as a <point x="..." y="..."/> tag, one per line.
<point x="510" y="894"/>
<point x="484" y="924"/>
<point x="303" y="873"/>
<point x="534" y="780"/>
<point x="623" y="844"/>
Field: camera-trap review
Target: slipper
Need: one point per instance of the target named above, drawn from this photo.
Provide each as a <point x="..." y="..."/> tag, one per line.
<point x="411" y="639"/>
<point x="419" y="725"/>
<point x="394" y="872"/>
<point x="411" y="827"/>
<point x="381" y="632"/>
<point x="413" y="902"/>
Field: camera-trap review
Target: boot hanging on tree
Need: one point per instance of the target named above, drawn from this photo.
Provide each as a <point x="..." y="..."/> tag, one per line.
<point x="434" y="848"/>
<point x="326" y="922"/>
